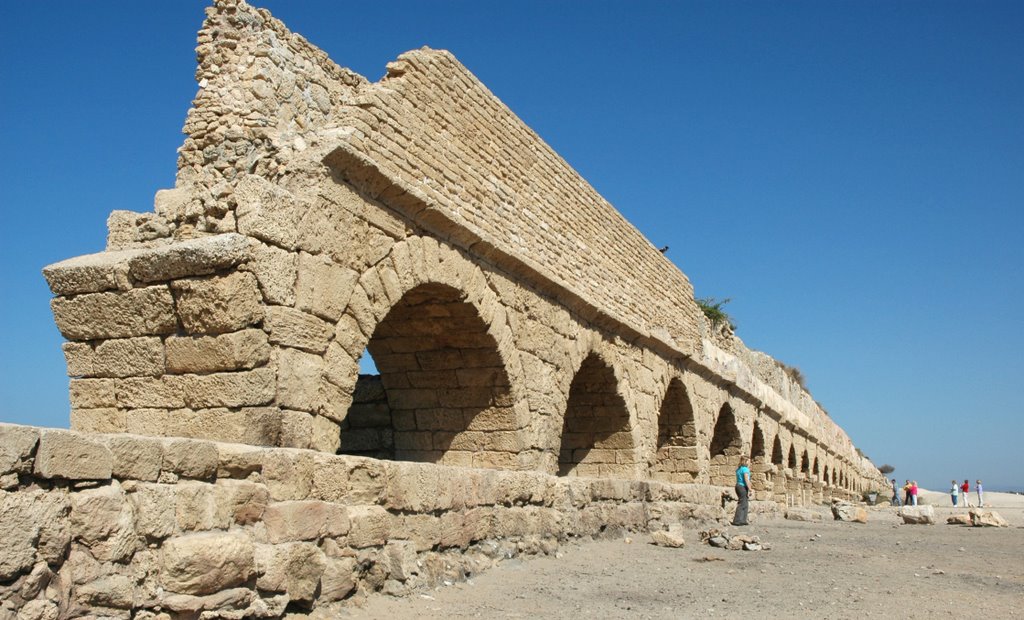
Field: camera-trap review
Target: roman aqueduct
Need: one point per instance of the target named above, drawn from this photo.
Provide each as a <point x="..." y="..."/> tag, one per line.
<point x="520" y="325"/>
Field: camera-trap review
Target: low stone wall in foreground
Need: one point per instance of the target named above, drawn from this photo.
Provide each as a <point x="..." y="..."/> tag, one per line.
<point x="130" y="526"/>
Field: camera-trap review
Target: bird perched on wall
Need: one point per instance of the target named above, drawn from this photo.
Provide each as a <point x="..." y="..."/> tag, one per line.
<point x="663" y="249"/>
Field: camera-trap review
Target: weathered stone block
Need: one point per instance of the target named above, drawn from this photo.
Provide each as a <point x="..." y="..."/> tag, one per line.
<point x="92" y="393"/>
<point x="288" y="474"/>
<point x="111" y="591"/>
<point x="99" y="316"/>
<point x="90" y="273"/>
<point x="305" y="520"/>
<point x="326" y="435"/>
<point x="102" y="420"/>
<point x="193" y="257"/>
<point x="298" y="379"/>
<point x="71" y="456"/>
<point x="294" y="568"/>
<point x="250" y="425"/>
<point x="918" y="515"/>
<point x="206" y="563"/>
<point x="190" y="458"/>
<point x="370" y="526"/>
<point x="33" y="523"/>
<point x="239" y="461"/>
<point x="293" y="328"/>
<point x="135" y="458"/>
<point x="128" y="357"/>
<point x="296" y="429"/>
<point x="17" y="443"/>
<point x="155" y="509"/>
<point x="218" y="304"/>
<point x="247" y="388"/>
<point x="232" y="351"/>
<point x="338" y="579"/>
<point x="322" y="287"/>
<point x="241" y="501"/>
<point x="276" y="271"/>
<point x="140" y="392"/>
<point x="266" y="211"/>
<point x="196" y="507"/>
<point x="103" y="520"/>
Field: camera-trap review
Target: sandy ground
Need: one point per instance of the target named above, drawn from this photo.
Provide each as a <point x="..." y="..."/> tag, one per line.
<point x="826" y="569"/>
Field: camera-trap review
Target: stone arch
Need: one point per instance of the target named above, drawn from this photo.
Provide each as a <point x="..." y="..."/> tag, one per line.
<point x="597" y="438"/>
<point x="805" y="463"/>
<point x="676" y="456"/>
<point x="825" y="474"/>
<point x="816" y="469"/>
<point x="792" y="462"/>
<point x="443" y="390"/>
<point x="449" y="389"/>
<point x="726" y="447"/>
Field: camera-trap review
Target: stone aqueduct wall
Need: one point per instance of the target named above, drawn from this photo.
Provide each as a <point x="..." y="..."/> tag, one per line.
<point x="519" y="324"/>
<point x="120" y="526"/>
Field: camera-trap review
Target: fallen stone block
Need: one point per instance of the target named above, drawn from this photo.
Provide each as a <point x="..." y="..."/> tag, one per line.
<point x="987" y="518"/>
<point x="803" y="514"/>
<point x="959" y="519"/>
<point x="845" y="511"/>
<point x="673" y="537"/>
<point x="918" y="515"/>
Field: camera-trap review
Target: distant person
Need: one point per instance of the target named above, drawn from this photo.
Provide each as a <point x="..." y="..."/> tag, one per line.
<point x="954" y="492"/>
<point x="981" y="499"/>
<point x="896" y="494"/>
<point x="906" y="492"/>
<point x="913" y="492"/>
<point x="965" y="488"/>
<point x="743" y="491"/>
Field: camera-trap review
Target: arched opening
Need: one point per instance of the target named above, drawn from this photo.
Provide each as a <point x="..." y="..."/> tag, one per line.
<point x="805" y="464"/>
<point x="441" y="395"/>
<point x="676" y="457"/>
<point x="816" y="470"/>
<point x="726" y="447"/>
<point x="759" y="468"/>
<point x="792" y="462"/>
<point x="596" y="437"/>
<point x="825" y="476"/>
<point x="835" y="477"/>
<point x="757" y="451"/>
<point x="777" y="452"/>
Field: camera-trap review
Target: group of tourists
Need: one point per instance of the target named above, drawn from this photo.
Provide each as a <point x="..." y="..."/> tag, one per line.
<point x="962" y="491"/>
<point x="958" y="492"/>
<point x="909" y="493"/>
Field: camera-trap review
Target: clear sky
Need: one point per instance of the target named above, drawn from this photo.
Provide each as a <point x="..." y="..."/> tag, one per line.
<point x="850" y="174"/>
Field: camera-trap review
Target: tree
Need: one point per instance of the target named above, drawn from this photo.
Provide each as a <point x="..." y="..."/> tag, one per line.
<point x="887" y="469"/>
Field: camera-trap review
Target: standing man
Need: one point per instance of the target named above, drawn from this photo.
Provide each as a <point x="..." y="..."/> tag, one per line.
<point x="896" y="501"/>
<point x="953" y="492"/>
<point x="981" y="499"/>
<point x="965" y="488"/>
<point x="743" y="491"/>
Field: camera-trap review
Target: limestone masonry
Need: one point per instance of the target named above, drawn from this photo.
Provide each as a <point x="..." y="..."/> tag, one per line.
<point x="544" y="371"/>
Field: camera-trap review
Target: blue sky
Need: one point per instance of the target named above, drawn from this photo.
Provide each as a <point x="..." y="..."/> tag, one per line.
<point x="851" y="175"/>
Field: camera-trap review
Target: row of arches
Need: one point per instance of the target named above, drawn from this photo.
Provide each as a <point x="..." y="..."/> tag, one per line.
<point x="464" y="377"/>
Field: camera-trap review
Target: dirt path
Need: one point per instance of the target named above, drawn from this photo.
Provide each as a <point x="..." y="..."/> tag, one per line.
<point x="822" y="569"/>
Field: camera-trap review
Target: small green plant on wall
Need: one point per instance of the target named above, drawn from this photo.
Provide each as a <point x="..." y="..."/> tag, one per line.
<point x="712" y="309"/>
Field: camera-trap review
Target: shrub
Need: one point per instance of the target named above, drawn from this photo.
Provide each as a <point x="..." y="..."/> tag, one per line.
<point x="712" y="309"/>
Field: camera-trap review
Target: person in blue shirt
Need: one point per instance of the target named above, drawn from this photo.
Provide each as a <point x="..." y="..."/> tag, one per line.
<point x="743" y="491"/>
